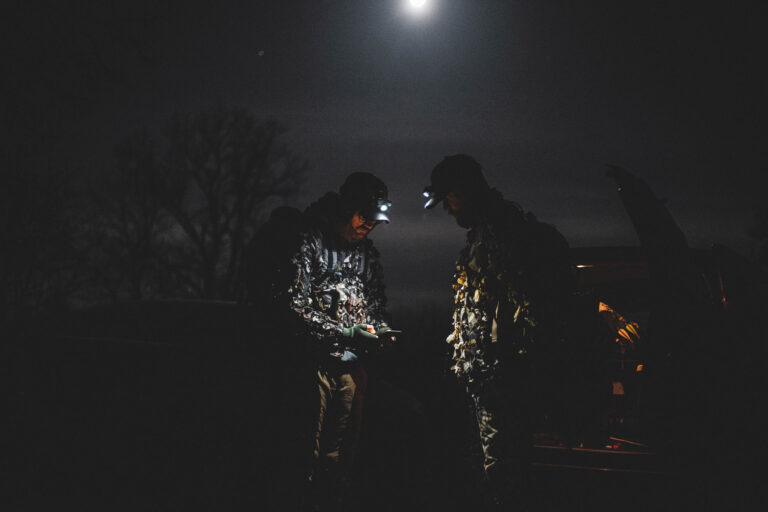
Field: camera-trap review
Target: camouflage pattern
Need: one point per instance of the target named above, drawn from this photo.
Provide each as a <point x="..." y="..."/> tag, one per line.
<point x="502" y="276"/>
<point x="506" y="280"/>
<point x="335" y="285"/>
<point x="326" y="285"/>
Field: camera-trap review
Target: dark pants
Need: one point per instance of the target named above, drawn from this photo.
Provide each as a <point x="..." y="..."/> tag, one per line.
<point x="502" y="412"/>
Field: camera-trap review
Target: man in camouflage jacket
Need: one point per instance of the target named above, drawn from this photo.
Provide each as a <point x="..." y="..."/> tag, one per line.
<point x="510" y="286"/>
<point x="332" y="294"/>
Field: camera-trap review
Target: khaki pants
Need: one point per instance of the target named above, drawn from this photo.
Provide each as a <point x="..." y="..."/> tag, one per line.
<point x="318" y="429"/>
<point x="340" y="396"/>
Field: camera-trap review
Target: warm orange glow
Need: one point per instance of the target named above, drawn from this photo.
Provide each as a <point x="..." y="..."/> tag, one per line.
<point x="623" y="328"/>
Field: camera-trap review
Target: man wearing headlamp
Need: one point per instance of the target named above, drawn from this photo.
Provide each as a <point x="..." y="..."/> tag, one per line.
<point x="510" y="290"/>
<point x="333" y="303"/>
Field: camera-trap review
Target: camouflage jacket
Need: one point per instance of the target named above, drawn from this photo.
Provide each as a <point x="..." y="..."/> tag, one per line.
<point x="510" y="279"/>
<point x="334" y="284"/>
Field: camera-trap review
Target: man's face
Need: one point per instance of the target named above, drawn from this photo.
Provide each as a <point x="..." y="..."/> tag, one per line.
<point x="358" y="228"/>
<point x="458" y="207"/>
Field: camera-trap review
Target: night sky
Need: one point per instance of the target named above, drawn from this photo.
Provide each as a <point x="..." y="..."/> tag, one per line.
<point x="542" y="94"/>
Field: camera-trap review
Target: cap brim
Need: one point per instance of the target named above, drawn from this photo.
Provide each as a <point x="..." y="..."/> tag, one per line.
<point x="381" y="217"/>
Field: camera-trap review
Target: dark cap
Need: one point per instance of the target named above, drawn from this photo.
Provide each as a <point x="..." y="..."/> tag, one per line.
<point x="365" y="193"/>
<point x="455" y="173"/>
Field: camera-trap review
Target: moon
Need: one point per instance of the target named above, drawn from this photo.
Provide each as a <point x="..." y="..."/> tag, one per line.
<point x="418" y="7"/>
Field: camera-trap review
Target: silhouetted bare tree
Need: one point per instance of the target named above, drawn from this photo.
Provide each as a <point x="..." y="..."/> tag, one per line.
<point x="59" y="61"/>
<point x="129" y="225"/>
<point x="41" y="262"/>
<point x="221" y="171"/>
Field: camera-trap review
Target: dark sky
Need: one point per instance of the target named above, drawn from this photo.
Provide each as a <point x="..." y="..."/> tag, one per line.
<point x="542" y="94"/>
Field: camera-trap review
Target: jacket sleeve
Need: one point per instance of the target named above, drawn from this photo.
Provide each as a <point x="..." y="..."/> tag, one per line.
<point x="377" y="300"/>
<point x="308" y="319"/>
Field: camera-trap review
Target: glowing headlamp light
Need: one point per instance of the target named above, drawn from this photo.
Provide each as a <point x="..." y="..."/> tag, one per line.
<point x="431" y="197"/>
<point x="379" y="211"/>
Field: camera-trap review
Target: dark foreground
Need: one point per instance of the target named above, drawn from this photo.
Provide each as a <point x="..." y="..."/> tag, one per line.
<point x="141" y="447"/>
<point x="176" y="415"/>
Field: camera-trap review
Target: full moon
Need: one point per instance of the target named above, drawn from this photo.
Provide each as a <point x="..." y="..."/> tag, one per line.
<point x="418" y="7"/>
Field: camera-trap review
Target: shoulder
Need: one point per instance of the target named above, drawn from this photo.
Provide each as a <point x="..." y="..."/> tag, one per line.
<point x="520" y="230"/>
<point x="507" y="222"/>
<point x="312" y="237"/>
<point x="521" y="223"/>
<point x="545" y="233"/>
<point x="370" y="249"/>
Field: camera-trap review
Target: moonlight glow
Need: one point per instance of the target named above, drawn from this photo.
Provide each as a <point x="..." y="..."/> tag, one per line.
<point x="417" y="7"/>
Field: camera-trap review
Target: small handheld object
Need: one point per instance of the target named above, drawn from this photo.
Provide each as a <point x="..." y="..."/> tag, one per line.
<point x="387" y="338"/>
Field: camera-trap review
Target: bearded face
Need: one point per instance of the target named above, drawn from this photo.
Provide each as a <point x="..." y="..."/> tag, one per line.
<point x="357" y="228"/>
<point x="459" y="208"/>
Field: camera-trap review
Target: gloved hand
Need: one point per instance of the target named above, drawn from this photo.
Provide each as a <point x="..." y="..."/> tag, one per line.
<point x="359" y="332"/>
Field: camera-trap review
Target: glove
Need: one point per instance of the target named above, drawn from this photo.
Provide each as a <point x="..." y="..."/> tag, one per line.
<point x="358" y="332"/>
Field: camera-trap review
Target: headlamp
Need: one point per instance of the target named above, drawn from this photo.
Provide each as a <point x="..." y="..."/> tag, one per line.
<point x="382" y="207"/>
<point x="432" y="197"/>
<point x="378" y="211"/>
